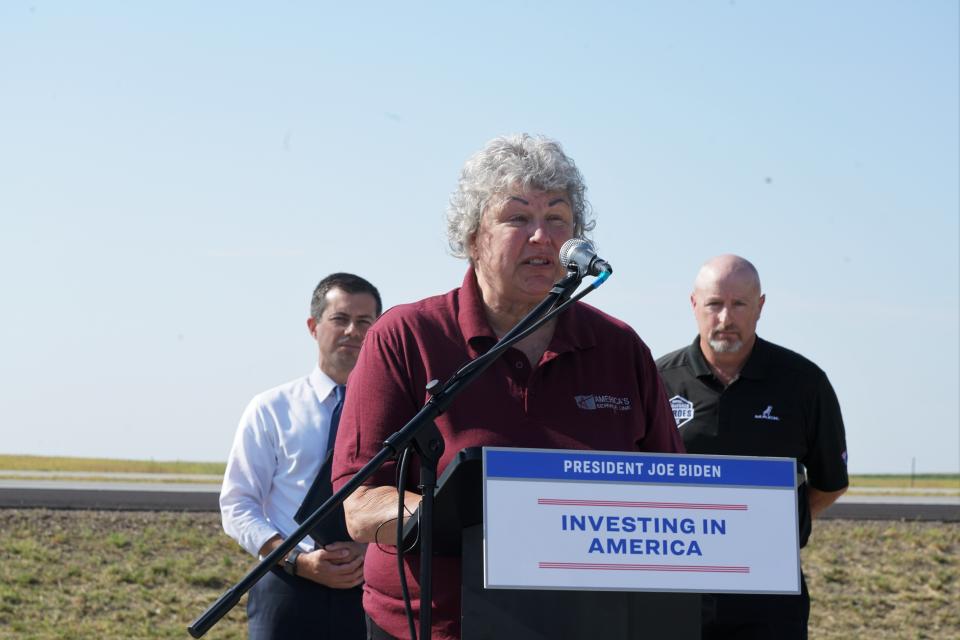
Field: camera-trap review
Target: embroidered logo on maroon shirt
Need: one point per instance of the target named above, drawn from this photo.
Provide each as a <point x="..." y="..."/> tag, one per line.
<point x="593" y="402"/>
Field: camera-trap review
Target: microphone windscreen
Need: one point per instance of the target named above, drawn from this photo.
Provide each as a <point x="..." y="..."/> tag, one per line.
<point x="576" y="252"/>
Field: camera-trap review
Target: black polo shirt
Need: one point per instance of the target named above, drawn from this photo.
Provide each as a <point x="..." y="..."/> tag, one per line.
<point x="781" y="405"/>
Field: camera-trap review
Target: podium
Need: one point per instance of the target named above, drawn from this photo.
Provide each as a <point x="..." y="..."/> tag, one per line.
<point x="520" y="614"/>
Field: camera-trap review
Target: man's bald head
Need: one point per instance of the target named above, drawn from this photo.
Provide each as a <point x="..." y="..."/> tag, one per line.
<point x="727" y="266"/>
<point x="727" y="301"/>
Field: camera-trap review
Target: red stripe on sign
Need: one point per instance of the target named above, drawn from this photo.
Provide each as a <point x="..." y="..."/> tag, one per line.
<point x="593" y="566"/>
<point x="643" y="505"/>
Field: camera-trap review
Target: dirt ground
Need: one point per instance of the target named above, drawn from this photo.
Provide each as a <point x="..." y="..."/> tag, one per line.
<point x="100" y="574"/>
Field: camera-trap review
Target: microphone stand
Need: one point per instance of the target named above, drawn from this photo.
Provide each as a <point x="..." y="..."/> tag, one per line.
<point x="422" y="433"/>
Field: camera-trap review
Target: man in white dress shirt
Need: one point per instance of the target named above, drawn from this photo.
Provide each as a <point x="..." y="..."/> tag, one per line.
<point x="281" y="443"/>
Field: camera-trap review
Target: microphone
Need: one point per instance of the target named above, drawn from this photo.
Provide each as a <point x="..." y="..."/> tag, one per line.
<point x="579" y="254"/>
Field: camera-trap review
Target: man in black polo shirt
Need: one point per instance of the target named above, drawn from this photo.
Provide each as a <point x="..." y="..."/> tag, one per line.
<point x="734" y="393"/>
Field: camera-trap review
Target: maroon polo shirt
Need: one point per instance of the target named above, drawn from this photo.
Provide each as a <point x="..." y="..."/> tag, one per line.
<point x="595" y="387"/>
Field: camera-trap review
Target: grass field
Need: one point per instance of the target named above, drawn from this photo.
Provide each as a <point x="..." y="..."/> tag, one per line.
<point x="924" y="481"/>
<point x="109" y="465"/>
<point x="98" y="574"/>
<point x="22" y="463"/>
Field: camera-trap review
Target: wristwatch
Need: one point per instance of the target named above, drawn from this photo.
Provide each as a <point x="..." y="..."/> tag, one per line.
<point x="290" y="562"/>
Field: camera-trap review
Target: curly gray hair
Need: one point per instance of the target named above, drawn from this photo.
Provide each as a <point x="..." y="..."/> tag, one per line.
<point x="518" y="160"/>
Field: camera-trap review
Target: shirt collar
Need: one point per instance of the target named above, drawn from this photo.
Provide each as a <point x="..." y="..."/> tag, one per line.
<point x="755" y="366"/>
<point x="572" y="331"/>
<point x="697" y="362"/>
<point x="323" y="385"/>
<point x="471" y="317"/>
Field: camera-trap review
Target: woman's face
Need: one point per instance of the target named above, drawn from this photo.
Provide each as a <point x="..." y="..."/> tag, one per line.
<point x="516" y="248"/>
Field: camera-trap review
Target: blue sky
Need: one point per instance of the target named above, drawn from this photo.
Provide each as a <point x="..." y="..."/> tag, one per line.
<point x="176" y="177"/>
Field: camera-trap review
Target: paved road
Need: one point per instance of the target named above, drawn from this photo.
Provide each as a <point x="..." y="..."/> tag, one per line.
<point x="136" y="496"/>
<point x="202" y="496"/>
<point x="887" y="507"/>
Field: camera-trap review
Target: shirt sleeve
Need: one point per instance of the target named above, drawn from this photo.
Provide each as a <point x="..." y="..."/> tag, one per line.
<point x="662" y="434"/>
<point x="251" y="467"/>
<point x="826" y="461"/>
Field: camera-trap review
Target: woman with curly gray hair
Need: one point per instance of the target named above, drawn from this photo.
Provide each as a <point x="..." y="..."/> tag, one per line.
<point x="518" y="200"/>
<point x="519" y="160"/>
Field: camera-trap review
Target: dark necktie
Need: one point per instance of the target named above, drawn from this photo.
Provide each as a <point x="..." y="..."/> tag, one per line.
<point x="340" y="391"/>
<point x="332" y="528"/>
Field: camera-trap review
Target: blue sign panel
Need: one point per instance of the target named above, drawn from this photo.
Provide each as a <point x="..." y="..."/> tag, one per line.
<point x="598" y="466"/>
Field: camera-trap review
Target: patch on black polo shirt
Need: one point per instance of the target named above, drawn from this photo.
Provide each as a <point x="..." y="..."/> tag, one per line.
<point x="682" y="410"/>
<point x="767" y="414"/>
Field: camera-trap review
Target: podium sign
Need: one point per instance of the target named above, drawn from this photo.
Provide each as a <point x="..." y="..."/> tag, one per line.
<point x="585" y="520"/>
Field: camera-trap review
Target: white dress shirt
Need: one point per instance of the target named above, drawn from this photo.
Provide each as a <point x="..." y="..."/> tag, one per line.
<point x="276" y="454"/>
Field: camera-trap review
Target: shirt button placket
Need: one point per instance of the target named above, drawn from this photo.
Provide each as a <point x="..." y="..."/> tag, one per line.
<point x="520" y="365"/>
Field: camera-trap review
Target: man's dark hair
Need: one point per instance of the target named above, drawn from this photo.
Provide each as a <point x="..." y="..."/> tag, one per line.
<point x="346" y="282"/>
